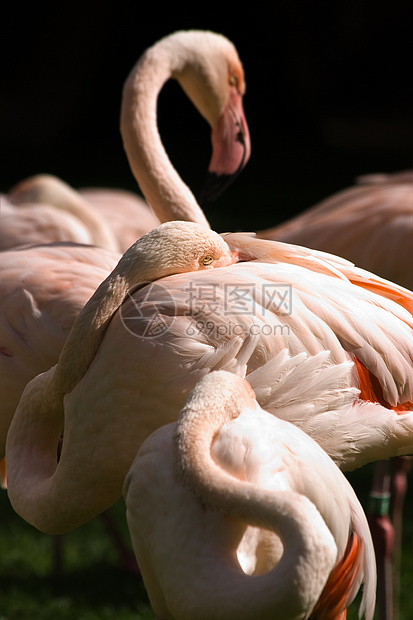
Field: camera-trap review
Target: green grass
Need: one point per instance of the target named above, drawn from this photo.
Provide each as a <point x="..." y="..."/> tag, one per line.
<point x="94" y="585"/>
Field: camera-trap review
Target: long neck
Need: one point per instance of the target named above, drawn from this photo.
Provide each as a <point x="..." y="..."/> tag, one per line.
<point x="53" y="495"/>
<point x="294" y="586"/>
<point x="42" y="490"/>
<point x="93" y="320"/>
<point x="164" y="190"/>
<point x="23" y="481"/>
<point x="57" y="496"/>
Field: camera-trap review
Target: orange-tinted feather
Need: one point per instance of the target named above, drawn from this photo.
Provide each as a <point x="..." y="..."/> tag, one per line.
<point x="333" y="600"/>
<point x="370" y="389"/>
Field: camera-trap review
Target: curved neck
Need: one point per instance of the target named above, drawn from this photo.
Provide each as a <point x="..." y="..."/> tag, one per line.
<point x="93" y="320"/>
<point x="164" y="190"/>
<point x="294" y="586"/>
<point x="53" y="495"/>
<point x="42" y="490"/>
<point x="59" y="496"/>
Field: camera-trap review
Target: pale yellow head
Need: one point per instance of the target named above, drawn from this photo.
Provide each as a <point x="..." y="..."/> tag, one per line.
<point x="179" y="247"/>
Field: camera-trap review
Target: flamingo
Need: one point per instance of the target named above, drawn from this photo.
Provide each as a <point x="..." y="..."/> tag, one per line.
<point x="131" y="219"/>
<point x="370" y="224"/>
<point x="46" y="210"/>
<point x="121" y="216"/>
<point x="208" y="68"/>
<point x="131" y="365"/>
<point x="219" y="488"/>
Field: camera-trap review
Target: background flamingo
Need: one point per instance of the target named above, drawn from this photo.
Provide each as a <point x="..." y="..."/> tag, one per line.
<point x="122" y="217"/>
<point x="225" y="464"/>
<point x="370" y="224"/>
<point x="46" y="210"/>
<point x="42" y="289"/>
<point x="208" y="68"/>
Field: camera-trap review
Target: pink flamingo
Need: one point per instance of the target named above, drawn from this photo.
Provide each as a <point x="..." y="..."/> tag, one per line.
<point x="208" y="68"/>
<point x="167" y="335"/>
<point x="44" y="209"/>
<point x="370" y="224"/>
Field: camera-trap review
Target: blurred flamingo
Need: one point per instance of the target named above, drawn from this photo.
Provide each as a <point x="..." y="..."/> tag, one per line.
<point x="370" y="224"/>
<point x="44" y="209"/>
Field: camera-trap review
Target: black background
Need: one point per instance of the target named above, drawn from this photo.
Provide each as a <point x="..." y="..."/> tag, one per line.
<point x="329" y="96"/>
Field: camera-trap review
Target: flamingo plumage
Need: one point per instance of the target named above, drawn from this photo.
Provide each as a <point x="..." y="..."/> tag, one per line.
<point x="370" y="224"/>
<point x="42" y="290"/>
<point x="70" y="215"/>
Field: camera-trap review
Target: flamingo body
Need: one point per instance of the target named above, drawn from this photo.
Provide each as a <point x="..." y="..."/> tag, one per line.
<point x="370" y="224"/>
<point x="127" y="214"/>
<point x="45" y="209"/>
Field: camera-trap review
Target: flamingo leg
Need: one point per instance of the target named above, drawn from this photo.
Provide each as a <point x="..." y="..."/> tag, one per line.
<point x="57" y="557"/>
<point x="126" y="554"/>
<point x="127" y="557"/>
<point x="382" y="532"/>
<point x="400" y="467"/>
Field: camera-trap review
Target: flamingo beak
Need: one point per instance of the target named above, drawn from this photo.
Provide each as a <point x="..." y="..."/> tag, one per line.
<point x="235" y="257"/>
<point x="230" y="258"/>
<point x="231" y="148"/>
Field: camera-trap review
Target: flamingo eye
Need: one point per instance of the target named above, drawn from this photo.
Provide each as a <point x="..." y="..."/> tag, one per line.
<point x="233" y="80"/>
<point x="207" y="260"/>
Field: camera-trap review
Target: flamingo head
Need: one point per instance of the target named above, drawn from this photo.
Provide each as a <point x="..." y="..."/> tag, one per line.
<point x="178" y="247"/>
<point x="214" y="81"/>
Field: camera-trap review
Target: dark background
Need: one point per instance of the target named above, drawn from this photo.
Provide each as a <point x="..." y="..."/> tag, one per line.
<point x="329" y="96"/>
